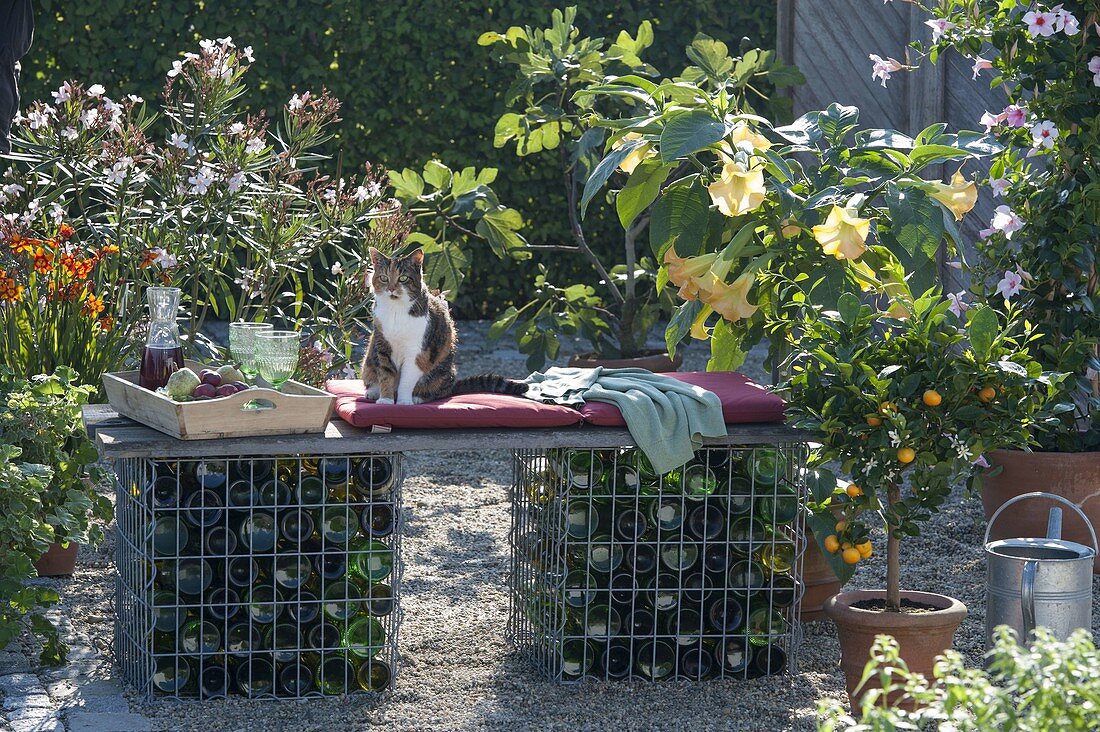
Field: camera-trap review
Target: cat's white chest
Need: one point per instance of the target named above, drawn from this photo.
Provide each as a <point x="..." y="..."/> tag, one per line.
<point x="404" y="332"/>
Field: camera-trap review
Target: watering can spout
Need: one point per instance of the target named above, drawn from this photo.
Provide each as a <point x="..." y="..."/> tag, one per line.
<point x="1054" y="523"/>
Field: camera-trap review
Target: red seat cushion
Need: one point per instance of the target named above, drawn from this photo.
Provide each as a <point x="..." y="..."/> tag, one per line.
<point x="743" y="401"/>
<point x="467" y="410"/>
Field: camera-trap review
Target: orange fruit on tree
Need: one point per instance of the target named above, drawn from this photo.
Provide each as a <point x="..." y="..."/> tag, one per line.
<point x="846" y="545"/>
<point x="864" y="549"/>
<point x="874" y="421"/>
<point x="906" y="455"/>
<point x="851" y="555"/>
<point x="932" y="398"/>
<point x="987" y="394"/>
<point x="853" y="490"/>
<point x="887" y="407"/>
<point x="832" y="544"/>
<point x="841" y="526"/>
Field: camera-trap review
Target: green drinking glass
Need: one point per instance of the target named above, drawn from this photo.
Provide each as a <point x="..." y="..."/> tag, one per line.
<point x="242" y="345"/>
<point x="277" y="355"/>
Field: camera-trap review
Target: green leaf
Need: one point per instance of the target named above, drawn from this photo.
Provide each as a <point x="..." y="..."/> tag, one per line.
<point x="640" y="190"/>
<point x="682" y="214"/>
<point x="680" y="325"/>
<point x="983" y="327"/>
<point x="689" y="131"/>
<point x="836" y="121"/>
<point x="500" y="229"/>
<point x="916" y="220"/>
<point x="823" y="523"/>
<point x="923" y="155"/>
<point x="407" y="184"/>
<point x="437" y="175"/>
<point x="605" y="168"/>
<point x="821" y="483"/>
<point x="726" y="353"/>
<point x="849" y="306"/>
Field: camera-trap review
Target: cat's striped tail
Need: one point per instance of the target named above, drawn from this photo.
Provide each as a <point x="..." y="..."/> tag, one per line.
<point x="489" y="384"/>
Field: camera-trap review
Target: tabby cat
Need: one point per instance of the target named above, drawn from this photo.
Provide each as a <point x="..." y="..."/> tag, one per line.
<point x="411" y="354"/>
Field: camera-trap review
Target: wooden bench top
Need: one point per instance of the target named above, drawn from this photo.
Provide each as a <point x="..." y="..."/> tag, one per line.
<point x="120" y="437"/>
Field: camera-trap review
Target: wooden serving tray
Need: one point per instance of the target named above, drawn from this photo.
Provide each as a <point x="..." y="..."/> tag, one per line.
<point x="295" y="410"/>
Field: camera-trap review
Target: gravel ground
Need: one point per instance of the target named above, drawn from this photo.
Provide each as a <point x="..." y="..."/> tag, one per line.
<point x="457" y="671"/>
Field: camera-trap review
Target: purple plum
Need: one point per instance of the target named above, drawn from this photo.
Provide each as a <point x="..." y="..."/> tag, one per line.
<point x="213" y="378"/>
<point x="227" y="390"/>
<point x="241" y="386"/>
<point x="205" y="391"/>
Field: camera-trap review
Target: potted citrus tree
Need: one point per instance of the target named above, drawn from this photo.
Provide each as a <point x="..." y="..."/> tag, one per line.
<point x="1038" y="253"/>
<point x="901" y="403"/>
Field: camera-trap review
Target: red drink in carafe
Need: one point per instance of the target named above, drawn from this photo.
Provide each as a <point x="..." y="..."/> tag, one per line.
<point x="158" y="364"/>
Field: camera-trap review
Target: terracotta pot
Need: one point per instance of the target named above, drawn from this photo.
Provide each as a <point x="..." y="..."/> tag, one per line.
<point x="818" y="580"/>
<point x="921" y="636"/>
<point x="58" y="561"/>
<point x="1072" y="475"/>
<point x="656" y="361"/>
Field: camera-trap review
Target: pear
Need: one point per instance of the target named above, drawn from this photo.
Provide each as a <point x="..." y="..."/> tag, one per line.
<point x="182" y="383"/>
<point x="229" y="374"/>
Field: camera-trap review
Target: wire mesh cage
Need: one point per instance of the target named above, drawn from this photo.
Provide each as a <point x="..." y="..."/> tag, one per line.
<point x="273" y="577"/>
<point x="620" y="572"/>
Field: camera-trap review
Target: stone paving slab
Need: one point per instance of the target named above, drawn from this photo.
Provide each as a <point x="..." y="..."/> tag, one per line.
<point x="34" y="719"/>
<point x="106" y="722"/>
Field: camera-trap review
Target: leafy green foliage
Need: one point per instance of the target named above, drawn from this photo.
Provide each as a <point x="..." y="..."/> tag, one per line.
<point x="415" y="84"/>
<point x="47" y="494"/>
<point x="943" y="390"/>
<point x="1050" y="686"/>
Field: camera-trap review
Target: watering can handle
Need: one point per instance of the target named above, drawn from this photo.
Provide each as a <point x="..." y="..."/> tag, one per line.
<point x="1027" y="597"/>
<point x="1051" y="496"/>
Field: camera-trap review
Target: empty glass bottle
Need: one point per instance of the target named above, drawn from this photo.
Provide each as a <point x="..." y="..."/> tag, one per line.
<point x="374" y="675"/>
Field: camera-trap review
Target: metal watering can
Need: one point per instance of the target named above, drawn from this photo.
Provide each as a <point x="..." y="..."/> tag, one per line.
<point x="1045" y="582"/>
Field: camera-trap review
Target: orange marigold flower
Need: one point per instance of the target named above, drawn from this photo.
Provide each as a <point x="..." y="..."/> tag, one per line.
<point x="9" y="290"/>
<point x="65" y="232"/>
<point x="20" y="245"/>
<point x="93" y="306"/>
<point x="106" y="323"/>
<point x="43" y="261"/>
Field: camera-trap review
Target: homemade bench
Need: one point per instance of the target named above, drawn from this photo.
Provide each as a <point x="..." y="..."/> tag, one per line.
<point x="614" y="572"/>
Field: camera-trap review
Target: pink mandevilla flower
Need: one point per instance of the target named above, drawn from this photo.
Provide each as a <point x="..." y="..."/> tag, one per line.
<point x="1010" y="285"/>
<point x="1094" y="69"/>
<point x="882" y="68"/>
<point x="1006" y="221"/>
<point x="981" y="64"/>
<point x="998" y="186"/>
<point x="991" y="120"/>
<point x="1065" y="21"/>
<point x="1040" y="24"/>
<point x="1015" y="115"/>
<point x="939" y="26"/>
<point x="958" y="305"/>
<point x="1044" y="134"/>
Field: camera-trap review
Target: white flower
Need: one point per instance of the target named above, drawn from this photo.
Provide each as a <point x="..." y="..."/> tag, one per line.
<point x="326" y="355"/>
<point x="222" y="70"/>
<point x="177" y="68"/>
<point x="254" y="145"/>
<point x="363" y="193"/>
<point x="939" y="26"/>
<point x="1065" y="21"/>
<point x="981" y="64"/>
<point x="295" y="103"/>
<point x="116" y="174"/>
<point x="337" y="269"/>
<point x="1024" y="274"/>
<point x="958" y="306"/>
<point x="1010" y="285"/>
<point x="12" y="189"/>
<point x="201" y="180"/>
<point x="63" y="94"/>
<point x="69" y="133"/>
<point x="236" y="181"/>
<point x="56" y="213"/>
<point x="882" y="68"/>
<point x="96" y="90"/>
<point x="1094" y="68"/>
<point x="1044" y="134"/>
<point x="1006" y="221"/>
<point x="164" y="259"/>
<point x="236" y="128"/>
<point x="178" y="139"/>
<point x="991" y="120"/>
<point x="134" y="98"/>
<point x="109" y="105"/>
<point x="329" y="194"/>
<point x="207" y="45"/>
<point x="1040" y="24"/>
<point x="38" y="119"/>
<point x="895" y="438"/>
<point x="998" y="186"/>
<point x="89" y="117"/>
<point x="248" y="54"/>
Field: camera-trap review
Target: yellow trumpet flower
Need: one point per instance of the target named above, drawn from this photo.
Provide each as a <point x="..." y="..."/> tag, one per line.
<point x="743" y="133"/>
<point x="699" y="325"/>
<point x="843" y="235"/>
<point x="959" y="197"/>
<point x="737" y="190"/>
<point x="685" y="272"/>
<point x="636" y="156"/>
<point x="731" y="301"/>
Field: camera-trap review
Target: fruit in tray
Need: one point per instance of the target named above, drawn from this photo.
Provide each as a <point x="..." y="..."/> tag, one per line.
<point x="185" y="385"/>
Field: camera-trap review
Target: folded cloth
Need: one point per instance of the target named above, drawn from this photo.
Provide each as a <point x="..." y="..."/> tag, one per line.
<point x="667" y="418"/>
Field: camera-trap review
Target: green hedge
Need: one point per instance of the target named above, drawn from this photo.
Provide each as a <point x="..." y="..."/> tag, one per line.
<point x="412" y="78"/>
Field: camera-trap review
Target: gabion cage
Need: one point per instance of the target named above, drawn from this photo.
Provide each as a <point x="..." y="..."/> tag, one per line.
<point x="266" y="577"/>
<point x="619" y="572"/>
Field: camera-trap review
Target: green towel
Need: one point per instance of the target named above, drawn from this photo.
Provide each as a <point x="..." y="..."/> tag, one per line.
<point x="667" y="418"/>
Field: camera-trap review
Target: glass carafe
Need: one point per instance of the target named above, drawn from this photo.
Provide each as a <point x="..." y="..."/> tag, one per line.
<point x="163" y="353"/>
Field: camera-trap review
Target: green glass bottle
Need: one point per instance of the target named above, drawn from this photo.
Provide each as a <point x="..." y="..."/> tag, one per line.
<point x="263" y="604"/>
<point x="642" y="559"/>
<point x="732" y="655"/>
<point x="338" y="524"/>
<point x="337" y="675"/>
<point x="696" y="663"/>
<point x="374" y="675"/>
<point x="242" y="572"/>
<point x="200" y="636"/>
<point x="219" y="542"/>
<point x="295" y="525"/>
<point x="697" y="587"/>
<point x="256" y="677"/>
<point x="625" y="480"/>
<point x="617" y="659"/>
<point x="222" y="603"/>
<point x="167" y="615"/>
<point x="311" y="491"/>
<point x="258" y="532"/>
<point x="244" y="494"/>
<point x="331" y="566"/>
<point x="163" y="492"/>
<point x="666" y="587"/>
<point x="379" y="600"/>
<point x="203" y="509"/>
<point x="581" y="518"/>
<point x="646" y="473"/>
<point x="187" y="576"/>
<point x="765" y="625"/>
<point x="726" y="614"/>
<point x="241" y="639"/>
<point x="325" y="636"/>
<point x="706" y="522"/>
<point x="686" y="627"/>
<point x="698" y="481"/>
<point x="601" y="621"/>
<point x="640" y="623"/>
<point x="208" y="474"/>
<point x="378" y="520"/>
<point x="336" y="472"/>
<point x="717" y="557"/>
<point x="372" y="560"/>
<point x="342" y="601"/>
<point x="252" y="471"/>
<point x="577" y="657"/>
<point x="305" y="609"/>
<point x="169" y="536"/>
<point x="679" y="557"/>
<point x="778" y="556"/>
<point x="365" y="637"/>
<point x="767" y="466"/>
<point x="784" y="590"/>
<point x="292" y="571"/>
<point x="578" y="588"/>
<point x="171" y="674"/>
<point x="747" y="534"/>
<point x="213" y="678"/>
<point x="585" y="469"/>
<point x="630" y="523"/>
<point x="667" y="514"/>
<point x="768" y="660"/>
<point x="739" y="498"/>
<point x="747" y="577"/>
<point x="374" y="476"/>
<point x="285" y="640"/>
<point x="603" y="555"/>
<point x="295" y="679"/>
<point x="275" y="492"/>
<point x="656" y="660"/>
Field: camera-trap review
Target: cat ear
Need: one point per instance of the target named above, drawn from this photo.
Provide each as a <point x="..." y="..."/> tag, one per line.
<point x="417" y="257"/>
<point x="376" y="258"/>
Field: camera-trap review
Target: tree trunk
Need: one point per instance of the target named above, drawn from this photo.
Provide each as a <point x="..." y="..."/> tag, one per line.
<point x="893" y="557"/>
